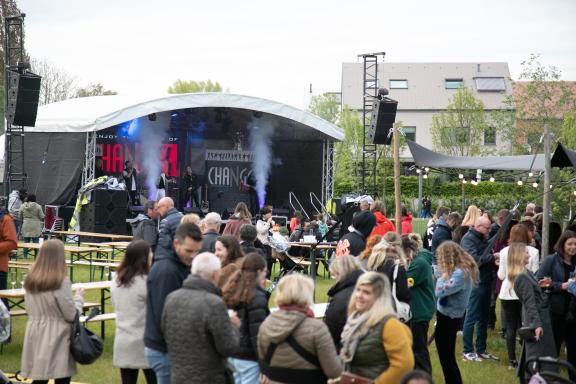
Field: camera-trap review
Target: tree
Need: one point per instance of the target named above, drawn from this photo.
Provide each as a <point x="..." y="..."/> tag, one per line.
<point x="191" y="86"/>
<point x="348" y="152"/>
<point x="568" y="134"/>
<point x="458" y="131"/>
<point x="94" y="90"/>
<point x="56" y="84"/>
<point x="325" y="106"/>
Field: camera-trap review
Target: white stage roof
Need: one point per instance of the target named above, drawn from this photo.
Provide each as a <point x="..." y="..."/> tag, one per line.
<point x="95" y="113"/>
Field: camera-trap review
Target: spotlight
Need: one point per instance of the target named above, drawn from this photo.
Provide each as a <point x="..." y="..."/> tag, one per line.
<point x="530" y="174"/>
<point x="418" y="171"/>
<point x="427" y="169"/>
<point x="152" y="117"/>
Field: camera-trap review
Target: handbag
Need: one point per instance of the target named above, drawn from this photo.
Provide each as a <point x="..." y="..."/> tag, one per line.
<point x="402" y="309"/>
<point x="527" y="333"/>
<point x="85" y="346"/>
<point x="351" y="378"/>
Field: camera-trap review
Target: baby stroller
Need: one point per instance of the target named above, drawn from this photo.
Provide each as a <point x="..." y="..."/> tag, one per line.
<point x="280" y="248"/>
<point x="544" y="370"/>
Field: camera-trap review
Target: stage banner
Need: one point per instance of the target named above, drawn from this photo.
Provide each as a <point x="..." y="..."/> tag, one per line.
<point x="227" y="179"/>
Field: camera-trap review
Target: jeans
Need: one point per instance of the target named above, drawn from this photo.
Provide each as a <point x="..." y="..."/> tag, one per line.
<point x="245" y="371"/>
<point x="477" y="316"/>
<point x="512" y="316"/>
<point x="160" y="363"/>
<point x="445" y="337"/>
<point x="420" y="346"/>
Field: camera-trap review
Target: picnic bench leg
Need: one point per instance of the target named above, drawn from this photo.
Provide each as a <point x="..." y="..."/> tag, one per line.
<point x="103" y="305"/>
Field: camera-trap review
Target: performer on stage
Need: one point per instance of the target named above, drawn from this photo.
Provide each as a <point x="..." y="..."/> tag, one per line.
<point x="190" y="181"/>
<point x="129" y="174"/>
<point x="161" y="186"/>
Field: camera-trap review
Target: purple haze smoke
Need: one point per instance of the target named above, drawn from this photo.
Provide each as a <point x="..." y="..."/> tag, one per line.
<point x="260" y="139"/>
<point x="152" y="135"/>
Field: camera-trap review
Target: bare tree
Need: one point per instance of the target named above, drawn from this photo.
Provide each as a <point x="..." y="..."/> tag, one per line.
<point x="57" y="84"/>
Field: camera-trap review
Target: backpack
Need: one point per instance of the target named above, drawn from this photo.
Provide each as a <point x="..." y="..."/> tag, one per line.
<point x="4" y="323"/>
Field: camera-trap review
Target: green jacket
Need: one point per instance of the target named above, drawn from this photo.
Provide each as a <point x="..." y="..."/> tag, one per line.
<point x="421" y="282"/>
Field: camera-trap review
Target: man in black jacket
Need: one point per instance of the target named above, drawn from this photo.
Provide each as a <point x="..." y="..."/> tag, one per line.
<point x="170" y="221"/>
<point x="213" y="221"/>
<point x="166" y="275"/>
<point x="248" y="236"/>
<point x="442" y="231"/>
<point x="147" y="228"/>
<point x="475" y="242"/>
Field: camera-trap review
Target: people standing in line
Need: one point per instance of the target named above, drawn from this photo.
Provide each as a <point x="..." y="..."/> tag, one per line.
<point x="534" y="304"/>
<point x="212" y="222"/>
<point x="244" y="293"/>
<point x="511" y="308"/>
<point x="383" y="225"/>
<point x="240" y="217"/>
<point x="191" y="185"/>
<point x="8" y="243"/>
<point x="457" y="273"/>
<point x="166" y="275"/>
<point x="231" y="257"/>
<point x="128" y="292"/>
<point x="147" y="228"/>
<point x="406" y="221"/>
<point x="475" y="243"/>
<point x="354" y="242"/>
<point x="199" y="332"/>
<point x="292" y="345"/>
<point x="169" y="221"/>
<point x="32" y="218"/>
<point x="15" y="201"/>
<point x="422" y="299"/>
<point x="51" y="309"/>
<point x="264" y="229"/>
<point x="345" y="270"/>
<point x="375" y="344"/>
<point x="553" y="276"/>
<point x="130" y="179"/>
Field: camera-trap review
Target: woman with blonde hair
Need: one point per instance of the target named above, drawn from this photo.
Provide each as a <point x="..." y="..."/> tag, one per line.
<point x="51" y="309"/>
<point x="388" y="258"/>
<point x="472" y="214"/>
<point x="345" y="270"/>
<point x="457" y="272"/>
<point x="375" y="344"/>
<point x="190" y="218"/>
<point x="293" y="346"/>
<point x="535" y="308"/>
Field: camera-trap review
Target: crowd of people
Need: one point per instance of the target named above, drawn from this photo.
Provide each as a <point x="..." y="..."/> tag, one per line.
<point x="192" y="299"/>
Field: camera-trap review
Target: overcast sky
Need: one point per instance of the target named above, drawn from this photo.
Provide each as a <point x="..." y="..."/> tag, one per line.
<point x="276" y="49"/>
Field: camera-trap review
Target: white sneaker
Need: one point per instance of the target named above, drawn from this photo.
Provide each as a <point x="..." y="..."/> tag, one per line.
<point x="471" y="356"/>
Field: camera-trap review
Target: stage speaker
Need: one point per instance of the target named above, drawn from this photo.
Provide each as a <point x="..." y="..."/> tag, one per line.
<point x="106" y="213"/>
<point x="383" y="117"/>
<point x="23" y="96"/>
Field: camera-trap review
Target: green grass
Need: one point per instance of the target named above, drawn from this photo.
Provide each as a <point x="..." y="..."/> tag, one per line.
<point x="103" y="371"/>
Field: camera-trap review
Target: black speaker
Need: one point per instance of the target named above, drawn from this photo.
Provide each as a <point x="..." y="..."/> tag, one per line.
<point x="106" y="213"/>
<point x="23" y="96"/>
<point x="383" y="117"/>
<point x="110" y="198"/>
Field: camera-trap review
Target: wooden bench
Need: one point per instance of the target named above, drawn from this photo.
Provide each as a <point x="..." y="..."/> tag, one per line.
<point x="99" y="318"/>
<point x="22" y="312"/>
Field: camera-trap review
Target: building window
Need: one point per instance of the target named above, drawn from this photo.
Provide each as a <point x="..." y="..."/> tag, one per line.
<point x="410" y="133"/>
<point x="398" y="84"/>
<point x="490" y="84"/>
<point x="454" y="83"/>
<point x="490" y="136"/>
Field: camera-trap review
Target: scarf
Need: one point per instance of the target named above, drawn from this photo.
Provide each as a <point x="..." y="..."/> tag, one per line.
<point x="298" y="308"/>
<point x="354" y="330"/>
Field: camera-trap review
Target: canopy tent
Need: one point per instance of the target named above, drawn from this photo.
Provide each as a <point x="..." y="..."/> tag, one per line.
<point x="563" y="158"/>
<point x="424" y="157"/>
<point x="88" y="114"/>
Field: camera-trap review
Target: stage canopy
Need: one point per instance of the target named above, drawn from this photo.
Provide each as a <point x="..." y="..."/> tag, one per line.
<point x="88" y="114"/>
<point x="424" y="157"/>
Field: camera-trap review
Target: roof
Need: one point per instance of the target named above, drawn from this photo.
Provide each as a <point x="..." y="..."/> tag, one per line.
<point x="558" y="91"/>
<point x="426" y="83"/>
<point x="90" y="114"/>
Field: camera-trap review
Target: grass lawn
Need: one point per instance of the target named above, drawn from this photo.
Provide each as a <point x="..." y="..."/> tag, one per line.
<point x="103" y="371"/>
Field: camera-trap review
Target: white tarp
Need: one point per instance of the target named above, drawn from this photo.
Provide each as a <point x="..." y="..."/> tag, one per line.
<point x="89" y="114"/>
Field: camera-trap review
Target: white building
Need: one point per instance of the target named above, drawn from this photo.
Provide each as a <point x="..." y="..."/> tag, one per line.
<point x="423" y="89"/>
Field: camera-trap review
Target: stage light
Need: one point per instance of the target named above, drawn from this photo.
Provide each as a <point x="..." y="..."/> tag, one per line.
<point x="460" y="176"/>
<point x="492" y="179"/>
<point x="520" y="183"/>
<point x="530" y="174"/>
<point x="152" y="117"/>
<point x="535" y="185"/>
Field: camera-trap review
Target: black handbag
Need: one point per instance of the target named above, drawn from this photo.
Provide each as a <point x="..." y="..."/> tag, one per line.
<point x="85" y="346"/>
<point x="527" y="333"/>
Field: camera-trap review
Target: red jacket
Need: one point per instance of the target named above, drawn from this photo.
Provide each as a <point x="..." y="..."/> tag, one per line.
<point x="383" y="225"/>
<point x="8" y="241"/>
<point x="407" y="224"/>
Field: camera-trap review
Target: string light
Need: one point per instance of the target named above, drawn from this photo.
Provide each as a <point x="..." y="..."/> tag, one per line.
<point x="427" y="169"/>
<point x="574" y="193"/>
<point x="535" y="185"/>
<point x="418" y="170"/>
<point x="530" y="174"/>
<point x="425" y="176"/>
<point x="492" y="179"/>
<point x="461" y="176"/>
<point x="464" y="181"/>
<point x="520" y="183"/>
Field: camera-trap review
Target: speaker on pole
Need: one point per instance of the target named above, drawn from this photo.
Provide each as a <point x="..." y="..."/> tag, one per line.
<point x="383" y="117"/>
<point x="23" y="96"/>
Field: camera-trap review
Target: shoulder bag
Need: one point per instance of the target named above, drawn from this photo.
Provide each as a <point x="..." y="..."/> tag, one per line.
<point x="402" y="309"/>
<point x="85" y="346"/>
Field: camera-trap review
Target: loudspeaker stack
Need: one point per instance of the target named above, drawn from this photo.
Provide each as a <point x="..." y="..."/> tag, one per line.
<point x="383" y="117"/>
<point x="23" y="96"/>
<point x="106" y="213"/>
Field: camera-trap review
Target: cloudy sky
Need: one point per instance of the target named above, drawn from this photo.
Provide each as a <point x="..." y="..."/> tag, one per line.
<point x="275" y="50"/>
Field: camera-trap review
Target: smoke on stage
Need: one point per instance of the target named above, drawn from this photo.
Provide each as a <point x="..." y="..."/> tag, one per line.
<point x="152" y="135"/>
<point x="260" y="141"/>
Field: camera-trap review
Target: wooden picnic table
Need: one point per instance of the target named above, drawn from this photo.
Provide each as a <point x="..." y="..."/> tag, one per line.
<point x="15" y="297"/>
<point x="113" y="245"/>
<point x="80" y="234"/>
